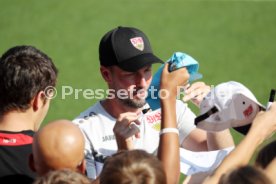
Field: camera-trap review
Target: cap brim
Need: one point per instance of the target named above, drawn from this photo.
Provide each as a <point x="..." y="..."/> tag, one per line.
<point x="135" y="63"/>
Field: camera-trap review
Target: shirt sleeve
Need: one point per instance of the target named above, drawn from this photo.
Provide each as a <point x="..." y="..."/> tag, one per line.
<point x="185" y="120"/>
<point x="91" y="169"/>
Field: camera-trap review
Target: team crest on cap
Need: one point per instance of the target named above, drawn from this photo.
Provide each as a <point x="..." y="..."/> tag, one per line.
<point x="138" y="43"/>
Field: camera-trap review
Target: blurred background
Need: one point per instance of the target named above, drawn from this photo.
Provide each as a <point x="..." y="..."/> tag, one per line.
<point x="232" y="40"/>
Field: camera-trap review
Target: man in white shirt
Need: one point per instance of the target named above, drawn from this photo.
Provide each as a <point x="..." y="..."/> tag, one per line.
<point x="126" y="58"/>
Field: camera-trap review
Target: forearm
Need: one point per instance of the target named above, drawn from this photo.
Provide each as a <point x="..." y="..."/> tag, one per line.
<point x="242" y="153"/>
<point x="124" y="144"/>
<point x="270" y="171"/>
<point x="168" y="151"/>
<point x="168" y="112"/>
<point x="238" y="157"/>
<point x="196" y="178"/>
<point x="219" y="140"/>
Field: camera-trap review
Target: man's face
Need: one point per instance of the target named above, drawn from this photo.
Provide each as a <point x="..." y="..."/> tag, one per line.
<point x="131" y="87"/>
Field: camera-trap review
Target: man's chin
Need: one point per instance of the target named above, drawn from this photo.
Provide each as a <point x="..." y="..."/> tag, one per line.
<point x="134" y="103"/>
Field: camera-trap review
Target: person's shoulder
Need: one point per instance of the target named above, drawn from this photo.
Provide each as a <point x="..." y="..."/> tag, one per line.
<point x="24" y="136"/>
<point x="87" y="114"/>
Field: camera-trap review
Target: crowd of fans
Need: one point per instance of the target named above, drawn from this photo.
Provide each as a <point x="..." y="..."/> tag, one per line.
<point x="75" y="152"/>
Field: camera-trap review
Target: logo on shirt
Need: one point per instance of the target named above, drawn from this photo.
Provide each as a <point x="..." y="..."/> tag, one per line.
<point x="18" y="139"/>
<point x="108" y="138"/>
<point x="9" y="141"/>
<point x="154" y="119"/>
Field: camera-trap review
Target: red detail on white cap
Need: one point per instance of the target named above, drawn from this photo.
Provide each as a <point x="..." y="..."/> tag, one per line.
<point x="247" y="112"/>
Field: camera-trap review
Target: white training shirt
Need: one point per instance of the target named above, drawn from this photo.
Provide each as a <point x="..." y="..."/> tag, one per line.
<point x="97" y="127"/>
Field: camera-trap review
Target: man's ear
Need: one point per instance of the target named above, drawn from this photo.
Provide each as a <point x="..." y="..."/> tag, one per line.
<point x="82" y="166"/>
<point x="38" y="100"/>
<point x="106" y="74"/>
<point x="31" y="163"/>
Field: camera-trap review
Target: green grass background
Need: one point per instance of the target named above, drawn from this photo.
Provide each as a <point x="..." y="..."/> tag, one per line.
<point x="232" y="40"/>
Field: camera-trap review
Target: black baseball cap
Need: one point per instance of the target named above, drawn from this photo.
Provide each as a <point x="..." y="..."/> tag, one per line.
<point x="127" y="48"/>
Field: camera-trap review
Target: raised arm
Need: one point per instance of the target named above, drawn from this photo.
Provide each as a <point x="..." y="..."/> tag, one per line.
<point x="270" y="171"/>
<point x="263" y="126"/>
<point x="168" y="151"/>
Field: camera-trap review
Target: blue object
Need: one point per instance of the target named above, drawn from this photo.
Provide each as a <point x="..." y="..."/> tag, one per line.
<point x="178" y="60"/>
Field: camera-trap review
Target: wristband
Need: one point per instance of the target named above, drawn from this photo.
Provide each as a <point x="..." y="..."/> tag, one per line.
<point x="169" y="130"/>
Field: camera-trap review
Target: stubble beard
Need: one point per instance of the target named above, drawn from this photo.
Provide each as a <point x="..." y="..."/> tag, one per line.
<point x="133" y="103"/>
